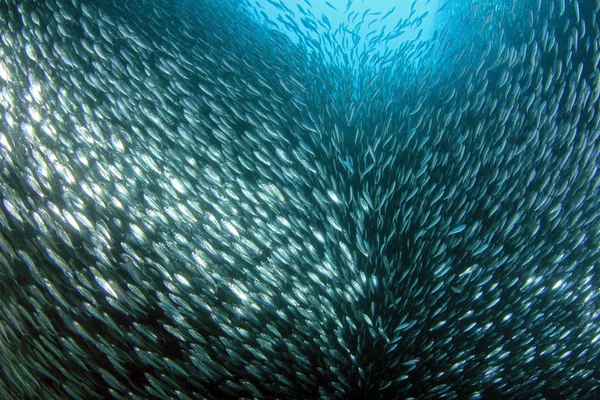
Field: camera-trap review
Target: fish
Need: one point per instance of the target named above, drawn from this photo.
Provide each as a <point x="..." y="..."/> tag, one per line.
<point x="457" y="229"/>
<point x="206" y="200"/>
<point x="330" y="5"/>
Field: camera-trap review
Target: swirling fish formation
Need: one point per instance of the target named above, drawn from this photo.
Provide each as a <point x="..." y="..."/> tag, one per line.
<point x="193" y="205"/>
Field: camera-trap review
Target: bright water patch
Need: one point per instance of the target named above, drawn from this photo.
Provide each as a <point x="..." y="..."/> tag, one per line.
<point x="349" y="30"/>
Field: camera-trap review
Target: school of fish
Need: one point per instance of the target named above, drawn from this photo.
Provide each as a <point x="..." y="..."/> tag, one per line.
<point x="195" y="206"/>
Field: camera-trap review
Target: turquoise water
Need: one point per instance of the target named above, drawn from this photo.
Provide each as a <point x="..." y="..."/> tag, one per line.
<point x="327" y="201"/>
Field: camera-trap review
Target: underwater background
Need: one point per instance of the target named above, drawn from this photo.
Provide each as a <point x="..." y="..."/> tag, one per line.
<point x="297" y="200"/>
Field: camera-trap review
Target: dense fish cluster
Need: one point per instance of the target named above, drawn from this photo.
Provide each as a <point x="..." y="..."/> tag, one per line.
<point x="192" y="205"/>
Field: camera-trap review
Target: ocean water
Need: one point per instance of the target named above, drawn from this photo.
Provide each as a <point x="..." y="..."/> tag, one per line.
<point x="311" y="199"/>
